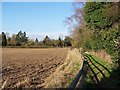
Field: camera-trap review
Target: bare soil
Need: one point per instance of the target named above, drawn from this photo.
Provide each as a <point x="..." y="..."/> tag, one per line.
<point x="30" y="67"/>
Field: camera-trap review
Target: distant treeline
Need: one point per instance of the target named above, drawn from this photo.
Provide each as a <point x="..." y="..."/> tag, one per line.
<point x="21" y="40"/>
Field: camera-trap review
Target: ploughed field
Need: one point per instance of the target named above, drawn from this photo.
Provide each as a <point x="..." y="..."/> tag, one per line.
<point x="30" y="67"/>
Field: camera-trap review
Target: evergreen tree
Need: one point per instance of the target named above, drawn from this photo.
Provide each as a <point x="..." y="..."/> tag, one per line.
<point x="60" y="42"/>
<point x="46" y="40"/>
<point x="4" y="39"/>
<point x="36" y="40"/>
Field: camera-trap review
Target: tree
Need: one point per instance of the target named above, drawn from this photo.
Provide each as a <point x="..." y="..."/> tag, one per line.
<point x="78" y="29"/>
<point x="103" y="19"/>
<point x="55" y="43"/>
<point x="4" y="39"/>
<point x="13" y="40"/>
<point x="9" y="41"/>
<point x="30" y="43"/>
<point x="68" y="41"/>
<point x="36" y="40"/>
<point x="46" y="40"/>
<point x="21" y="38"/>
<point x="60" y="42"/>
<point x="101" y="15"/>
<point x="18" y="38"/>
<point x="77" y="18"/>
<point x="0" y="39"/>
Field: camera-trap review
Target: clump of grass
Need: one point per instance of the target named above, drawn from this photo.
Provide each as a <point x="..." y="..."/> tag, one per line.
<point x="66" y="73"/>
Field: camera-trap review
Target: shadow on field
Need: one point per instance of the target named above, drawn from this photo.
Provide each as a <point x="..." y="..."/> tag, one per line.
<point x="113" y="81"/>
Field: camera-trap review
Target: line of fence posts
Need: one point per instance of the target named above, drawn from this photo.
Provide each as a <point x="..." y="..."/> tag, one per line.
<point x="78" y="82"/>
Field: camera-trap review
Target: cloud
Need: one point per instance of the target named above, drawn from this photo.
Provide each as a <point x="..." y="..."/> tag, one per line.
<point x="50" y="35"/>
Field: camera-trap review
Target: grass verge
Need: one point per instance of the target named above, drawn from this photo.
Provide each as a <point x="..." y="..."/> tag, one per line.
<point x="66" y="73"/>
<point x="102" y="63"/>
